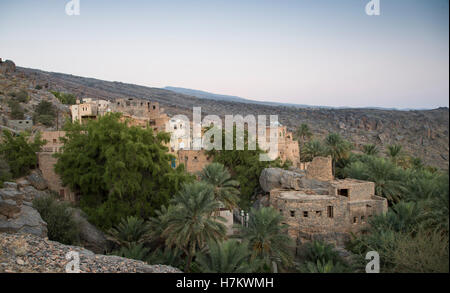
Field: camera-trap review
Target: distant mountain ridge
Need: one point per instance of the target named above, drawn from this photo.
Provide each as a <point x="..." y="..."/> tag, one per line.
<point x="219" y="97"/>
<point x="422" y="133"/>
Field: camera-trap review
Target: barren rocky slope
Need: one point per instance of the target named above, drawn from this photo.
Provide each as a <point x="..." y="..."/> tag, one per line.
<point x="422" y="133"/>
<point x="27" y="253"/>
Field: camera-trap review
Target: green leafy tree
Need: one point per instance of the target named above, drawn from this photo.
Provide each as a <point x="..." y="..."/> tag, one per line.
<point x="20" y="151"/>
<point x="267" y="238"/>
<point x="190" y="225"/>
<point x="119" y="171"/>
<point x="225" y="188"/>
<point x="45" y="113"/>
<point x="230" y="256"/>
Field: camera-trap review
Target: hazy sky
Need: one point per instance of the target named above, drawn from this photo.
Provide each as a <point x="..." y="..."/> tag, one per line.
<point x="313" y="52"/>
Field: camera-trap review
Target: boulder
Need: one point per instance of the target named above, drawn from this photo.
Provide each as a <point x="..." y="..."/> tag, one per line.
<point x="30" y="193"/>
<point x="7" y="67"/>
<point x="91" y="238"/>
<point x="272" y="178"/>
<point x="9" y="208"/>
<point x="11" y="193"/>
<point x="37" y="181"/>
<point x="10" y="185"/>
<point x="15" y="216"/>
<point x="22" y="182"/>
<point x="29" y="221"/>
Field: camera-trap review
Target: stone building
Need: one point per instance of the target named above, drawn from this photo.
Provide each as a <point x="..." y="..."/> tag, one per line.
<point x="89" y="109"/>
<point x="180" y="134"/>
<point x="47" y="161"/>
<point x="288" y="148"/>
<point x="21" y="124"/>
<point x="142" y="122"/>
<point x="137" y="107"/>
<point x="7" y="67"/>
<point x="193" y="160"/>
<point x="318" y="207"/>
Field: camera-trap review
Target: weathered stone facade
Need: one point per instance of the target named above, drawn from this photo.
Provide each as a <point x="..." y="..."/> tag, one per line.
<point x="320" y="168"/>
<point x="47" y="161"/>
<point x="193" y="160"/>
<point x="326" y="210"/>
<point x="7" y="67"/>
<point x="288" y="148"/>
<point x="20" y="124"/>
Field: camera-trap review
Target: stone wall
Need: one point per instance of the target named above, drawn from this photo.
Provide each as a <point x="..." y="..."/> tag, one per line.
<point x="47" y="163"/>
<point x="20" y="124"/>
<point x="193" y="160"/>
<point x="355" y="190"/>
<point x="329" y="217"/>
<point x="320" y="169"/>
<point x="310" y="213"/>
<point x="7" y="67"/>
<point x="53" y="141"/>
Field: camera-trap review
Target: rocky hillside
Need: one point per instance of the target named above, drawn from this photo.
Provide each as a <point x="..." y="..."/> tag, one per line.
<point x="24" y="246"/>
<point x="27" y="253"/>
<point x="422" y="133"/>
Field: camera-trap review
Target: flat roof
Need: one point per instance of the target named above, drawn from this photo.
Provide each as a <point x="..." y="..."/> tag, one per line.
<point x="301" y="195"/>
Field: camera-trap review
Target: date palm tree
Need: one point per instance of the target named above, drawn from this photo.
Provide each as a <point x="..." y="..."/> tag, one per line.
<point x="225" y="188"/>
<point x="303" y="132"/>
<point x="312" y="149"/>
<point x="337" y="148"/>
<point x="388" y="178"/>
<point x="394" y="152"/>
<point x="267" y="237"/>
<point x="370" y="149"/>
<point x="230" y="256"/>
<point x="190" y="225"/>
<point x="130" y="231"/>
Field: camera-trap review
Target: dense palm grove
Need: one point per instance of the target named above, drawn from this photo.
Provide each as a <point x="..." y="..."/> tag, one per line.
<point x="163" y="215"/>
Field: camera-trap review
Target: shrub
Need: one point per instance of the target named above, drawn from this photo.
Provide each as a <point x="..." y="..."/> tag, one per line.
<point x="17" y="111"/>
<point x="68" y="99"/>
<point x="38" y="87"/>
<point x="22" y="96"/>
<point x="320" y="257"/>
<point x="59" y="218"/>
<point x="323" y="267"/>
<point x="47" y="120"/>
<point x="44" y="113"/>
<point x="5" y="172"/>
